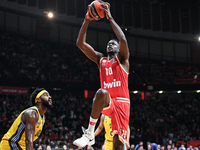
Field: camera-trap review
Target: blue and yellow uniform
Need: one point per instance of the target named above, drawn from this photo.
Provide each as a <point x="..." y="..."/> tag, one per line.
<point x="108" y="135"/>
<point x="14" y="139"/>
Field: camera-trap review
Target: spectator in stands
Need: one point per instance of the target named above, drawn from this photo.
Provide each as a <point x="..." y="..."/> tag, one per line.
<point x="170" y="142"/>
<point x="40" y="147"/>
<point x="132" y="147"/>
<point x="190" y="148"/>
<point x="65" y="147"/>
<point x="48" y="147"/>
<point x="182" y="147"/>
<point x="169" y="147"/>
<point x="151" y="146"/>
<point x="141" y="148"/>
<point x="138" y="145"/>
<point x="162" y="147"/>
<point x="158" y="147"/>
<point x="175" y="148"/>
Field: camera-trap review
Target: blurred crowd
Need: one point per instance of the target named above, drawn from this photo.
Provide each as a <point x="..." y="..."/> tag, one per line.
<point x="156" y="120"/>
<point x="28" y="60"/>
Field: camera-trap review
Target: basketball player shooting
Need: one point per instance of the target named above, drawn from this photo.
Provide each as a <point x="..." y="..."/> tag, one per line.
<point x="112" y="99"/>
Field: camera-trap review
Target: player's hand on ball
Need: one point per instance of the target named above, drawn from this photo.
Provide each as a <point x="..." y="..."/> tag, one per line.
<point x="107" y="10"/>
<point x="87" y="16"/>
<point x="95" y="10"/>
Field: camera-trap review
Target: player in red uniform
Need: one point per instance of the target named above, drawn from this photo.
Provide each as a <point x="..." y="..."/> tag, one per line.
<point x="112" y="99"/>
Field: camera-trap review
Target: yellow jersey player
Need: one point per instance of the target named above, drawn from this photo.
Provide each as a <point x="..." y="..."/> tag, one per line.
<point x="28" y="125"/>
<point x="105" y="122"/>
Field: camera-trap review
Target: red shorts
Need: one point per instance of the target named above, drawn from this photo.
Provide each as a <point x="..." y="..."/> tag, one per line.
<point x="119" y="111"/>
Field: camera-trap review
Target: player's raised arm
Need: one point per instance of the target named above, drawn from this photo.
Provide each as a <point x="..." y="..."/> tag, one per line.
<point x="87" y="49"/>
<point x="124" y="50"/>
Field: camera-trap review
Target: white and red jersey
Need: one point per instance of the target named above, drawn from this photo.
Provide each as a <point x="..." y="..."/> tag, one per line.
<point x="114" y="78"/>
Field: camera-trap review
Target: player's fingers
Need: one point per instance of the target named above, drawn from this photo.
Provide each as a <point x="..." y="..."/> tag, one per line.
<point x="105" y="4"/>
<point x="88" y="8"/>
<point x="108" y="5"/>
<point x="107" y="16"/>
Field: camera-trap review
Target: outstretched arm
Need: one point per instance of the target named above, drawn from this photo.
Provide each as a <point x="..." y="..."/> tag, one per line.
<point x="30" y="118"/>
<point x="124" y="51"/>
<point x="87" y="49"/>
<point x="100" y="127"/>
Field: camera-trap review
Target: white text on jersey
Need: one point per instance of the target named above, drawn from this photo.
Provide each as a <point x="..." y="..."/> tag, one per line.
<point x="112" y="84"/>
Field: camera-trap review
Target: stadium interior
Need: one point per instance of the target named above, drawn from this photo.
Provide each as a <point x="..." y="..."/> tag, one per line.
<point x="164" y="78"/>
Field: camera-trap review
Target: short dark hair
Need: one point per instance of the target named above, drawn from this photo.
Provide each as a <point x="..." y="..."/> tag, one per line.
<point x="34" y="94"/>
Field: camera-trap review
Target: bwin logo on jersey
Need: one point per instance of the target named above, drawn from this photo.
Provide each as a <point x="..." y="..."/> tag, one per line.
<point x="112" y="84"/>
<point x="114" y="61"/>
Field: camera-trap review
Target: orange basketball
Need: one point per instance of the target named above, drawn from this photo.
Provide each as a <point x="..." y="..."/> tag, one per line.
<point x="95" y="10"/>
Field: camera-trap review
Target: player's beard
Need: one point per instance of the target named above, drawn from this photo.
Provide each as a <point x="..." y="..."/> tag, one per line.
<point x="46" y="104"/>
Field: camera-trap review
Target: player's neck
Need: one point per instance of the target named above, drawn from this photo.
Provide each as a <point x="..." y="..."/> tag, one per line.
<point x="111" y="55"/>
<point x="42" y="109"/>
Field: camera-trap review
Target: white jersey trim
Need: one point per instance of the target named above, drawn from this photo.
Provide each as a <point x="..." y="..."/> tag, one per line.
<point x="120" y="138"/>
<point x="123" y="99"/>
<point x="121" y="65"/>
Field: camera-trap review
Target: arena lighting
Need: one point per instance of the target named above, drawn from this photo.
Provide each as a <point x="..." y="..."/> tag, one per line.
<point x="126" y="29"/>
<point x="199" y="38"/>
<point x="57" y="89"/>
<point x="160" y="92"/>
<point x="135" y="92"/>
<point x="49" y="14"/>
<point x="179" y="91"/>
<point x="166" y="92"/>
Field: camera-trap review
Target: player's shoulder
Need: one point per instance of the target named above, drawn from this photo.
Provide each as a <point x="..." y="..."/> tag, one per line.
<point x="31" y="113"/>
